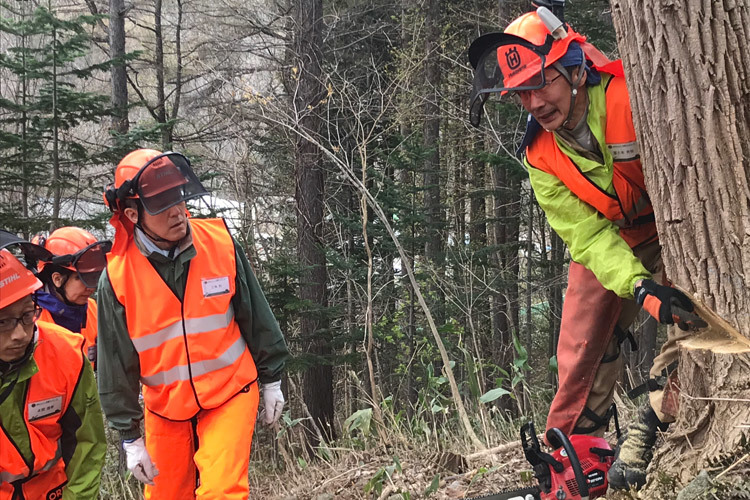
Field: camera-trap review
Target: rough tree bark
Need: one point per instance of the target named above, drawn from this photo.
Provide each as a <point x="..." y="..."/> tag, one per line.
<point x="310" y="181"/>
<point x="687" y="64"/>
<point x="118" y="71"/>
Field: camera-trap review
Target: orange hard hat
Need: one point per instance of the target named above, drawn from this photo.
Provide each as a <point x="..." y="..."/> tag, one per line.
<point x="132" y="163"/>
<point x="67" y="241"/>
<point x="16" y="282"/>
<point x="158" y="180"/>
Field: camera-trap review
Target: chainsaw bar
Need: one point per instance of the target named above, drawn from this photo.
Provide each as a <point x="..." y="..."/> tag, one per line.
<point x="531" y="493"/>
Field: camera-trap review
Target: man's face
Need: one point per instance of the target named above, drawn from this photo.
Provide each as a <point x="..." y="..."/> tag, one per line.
<point x="170" y="224"/>
<point x="13" y="342"/>
<point x="551" y="103"/>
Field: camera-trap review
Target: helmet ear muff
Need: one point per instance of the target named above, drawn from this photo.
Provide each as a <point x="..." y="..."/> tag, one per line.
<point x="113" y="195"/>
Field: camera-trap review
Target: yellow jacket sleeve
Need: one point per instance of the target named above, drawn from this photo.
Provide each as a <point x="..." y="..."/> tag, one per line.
<point x="593" y="241"/>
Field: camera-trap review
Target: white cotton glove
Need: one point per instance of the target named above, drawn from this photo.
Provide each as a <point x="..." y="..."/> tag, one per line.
<point x="273" y="402"/>
<point x="138" y="461"/>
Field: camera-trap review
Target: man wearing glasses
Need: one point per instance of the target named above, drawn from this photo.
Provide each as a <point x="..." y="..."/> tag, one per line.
<point x="52" y="442"/>
<point x="582" y="156"/>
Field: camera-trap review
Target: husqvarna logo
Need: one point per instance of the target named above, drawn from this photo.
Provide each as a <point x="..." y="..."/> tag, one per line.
<point x="512" y="58"/>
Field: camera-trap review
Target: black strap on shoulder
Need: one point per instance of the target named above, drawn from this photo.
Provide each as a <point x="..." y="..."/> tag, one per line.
<point x="653" y="384"/>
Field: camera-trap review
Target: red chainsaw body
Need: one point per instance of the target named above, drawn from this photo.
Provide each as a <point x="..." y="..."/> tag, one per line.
<point x="594" y="467"/>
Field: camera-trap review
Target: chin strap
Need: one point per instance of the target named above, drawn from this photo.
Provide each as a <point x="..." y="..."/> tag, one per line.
<point x="573" y="86"/>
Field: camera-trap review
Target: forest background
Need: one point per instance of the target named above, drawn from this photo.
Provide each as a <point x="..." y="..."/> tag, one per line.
<point x="334" y="138"/>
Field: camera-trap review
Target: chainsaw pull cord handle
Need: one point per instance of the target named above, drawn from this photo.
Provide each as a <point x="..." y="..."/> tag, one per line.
<point x="557" y="438"/>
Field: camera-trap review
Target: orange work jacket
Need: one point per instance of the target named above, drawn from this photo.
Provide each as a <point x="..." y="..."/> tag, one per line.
<point x="629" y="207"/>
<point x="47" y="398"/>
<point x="192" y="354"/>
<point x="89" y="331"/>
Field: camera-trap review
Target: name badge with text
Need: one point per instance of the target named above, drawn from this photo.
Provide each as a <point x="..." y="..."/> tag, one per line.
<point x="45" y="408"/>
<point x="215" y="286"/>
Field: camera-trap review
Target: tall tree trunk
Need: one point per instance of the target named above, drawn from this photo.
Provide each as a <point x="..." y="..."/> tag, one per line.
<point x="431" y="132"/>
<point x="118" y="71"/>
<point x="56" y="173"/>
<point x="310" y="180"/>
<point x="161" y="100"/>
<point x="688" y="70"/>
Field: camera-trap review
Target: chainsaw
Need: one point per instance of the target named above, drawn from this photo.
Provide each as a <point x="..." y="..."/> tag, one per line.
<point x="576" y="470"/>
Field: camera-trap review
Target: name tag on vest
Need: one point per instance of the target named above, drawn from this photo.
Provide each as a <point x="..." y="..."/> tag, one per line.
<point x="215" y="286"/>
<point x="624" y="151"/>
<point x="45" y="408"/>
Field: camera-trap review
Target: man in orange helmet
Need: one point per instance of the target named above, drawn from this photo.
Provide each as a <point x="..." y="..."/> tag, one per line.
<point x="52" y="442"/>
<point x="582" y="156"/>
<point x="70" y="275"/>
<point x="181" y="312"/>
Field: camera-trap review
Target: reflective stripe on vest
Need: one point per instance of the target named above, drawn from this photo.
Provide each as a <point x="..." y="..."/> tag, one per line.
<point x="191" y="326"/>
<point x="7" y="477"/>
<point x="59" y="359"/>
<point x="184" y="372"/>
<point x="191" y="352"/>
<point x="630" y="200"/>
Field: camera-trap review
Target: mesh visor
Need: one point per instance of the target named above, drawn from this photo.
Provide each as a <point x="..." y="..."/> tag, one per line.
<point x="504" y="63"/>
<point x="166" y="181"/>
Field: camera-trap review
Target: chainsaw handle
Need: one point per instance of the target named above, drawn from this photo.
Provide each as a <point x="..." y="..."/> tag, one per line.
<point x="557" y="438"/>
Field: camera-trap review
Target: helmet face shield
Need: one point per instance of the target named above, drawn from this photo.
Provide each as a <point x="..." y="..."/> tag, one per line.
<point x="166" y="181"/>
<point x="88" y="263"/>
<point x="504" y="63"/>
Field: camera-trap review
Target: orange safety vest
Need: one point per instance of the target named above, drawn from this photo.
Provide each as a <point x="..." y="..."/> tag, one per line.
<point x="89" y="331"/>
<point x="630" y="207"/>
<point x="192" y="354"/>
<point x="60" y="361"/>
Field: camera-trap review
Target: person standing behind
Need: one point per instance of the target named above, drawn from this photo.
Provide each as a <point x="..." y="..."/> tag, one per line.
<point x="181" y="312"/>
<point x="52" y="442"/>
<point x="582" y="156"/>
<point x="70" y="275"/>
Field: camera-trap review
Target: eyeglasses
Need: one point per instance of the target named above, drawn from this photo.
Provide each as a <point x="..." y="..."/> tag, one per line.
<point x="28" y="318"/>
<point x="525" y="94"/>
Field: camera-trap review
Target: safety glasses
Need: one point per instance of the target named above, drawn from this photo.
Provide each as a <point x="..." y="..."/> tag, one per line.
<point x="88" y="262"/>
<point x="504" y="63"/>
<point x="166" y="181"/>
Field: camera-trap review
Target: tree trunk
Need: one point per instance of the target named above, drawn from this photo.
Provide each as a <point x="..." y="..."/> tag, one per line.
<point x="310" y="180"/>
<point x="431" y="130"/>
<point x="687" y="67"/>
<point x="118" y="71"/>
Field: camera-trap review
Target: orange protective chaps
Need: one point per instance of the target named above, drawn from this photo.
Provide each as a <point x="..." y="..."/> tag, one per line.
<point x="46" y="486"/>
<point x="206" y="457"/>
<point x="587" y="336"/>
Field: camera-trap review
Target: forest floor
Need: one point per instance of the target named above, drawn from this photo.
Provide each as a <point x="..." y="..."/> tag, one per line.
<point x="400" y="472"/>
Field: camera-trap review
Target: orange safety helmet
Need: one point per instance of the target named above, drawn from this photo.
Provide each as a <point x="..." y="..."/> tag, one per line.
<point x="66" y="241"/>
<point x="515" y="59"/>
<point x="16" y="282"/>
<point x="159" y="180"/>
<point x="78" y="250"/>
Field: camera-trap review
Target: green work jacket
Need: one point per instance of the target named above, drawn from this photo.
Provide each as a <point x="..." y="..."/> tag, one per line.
<point x="118" y="367"/>
<point x="592" y="239"/>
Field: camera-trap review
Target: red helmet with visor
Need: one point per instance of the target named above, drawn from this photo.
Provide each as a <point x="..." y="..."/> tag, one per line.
<point x="159" y="180"/>
<point x="78" y="250"/>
